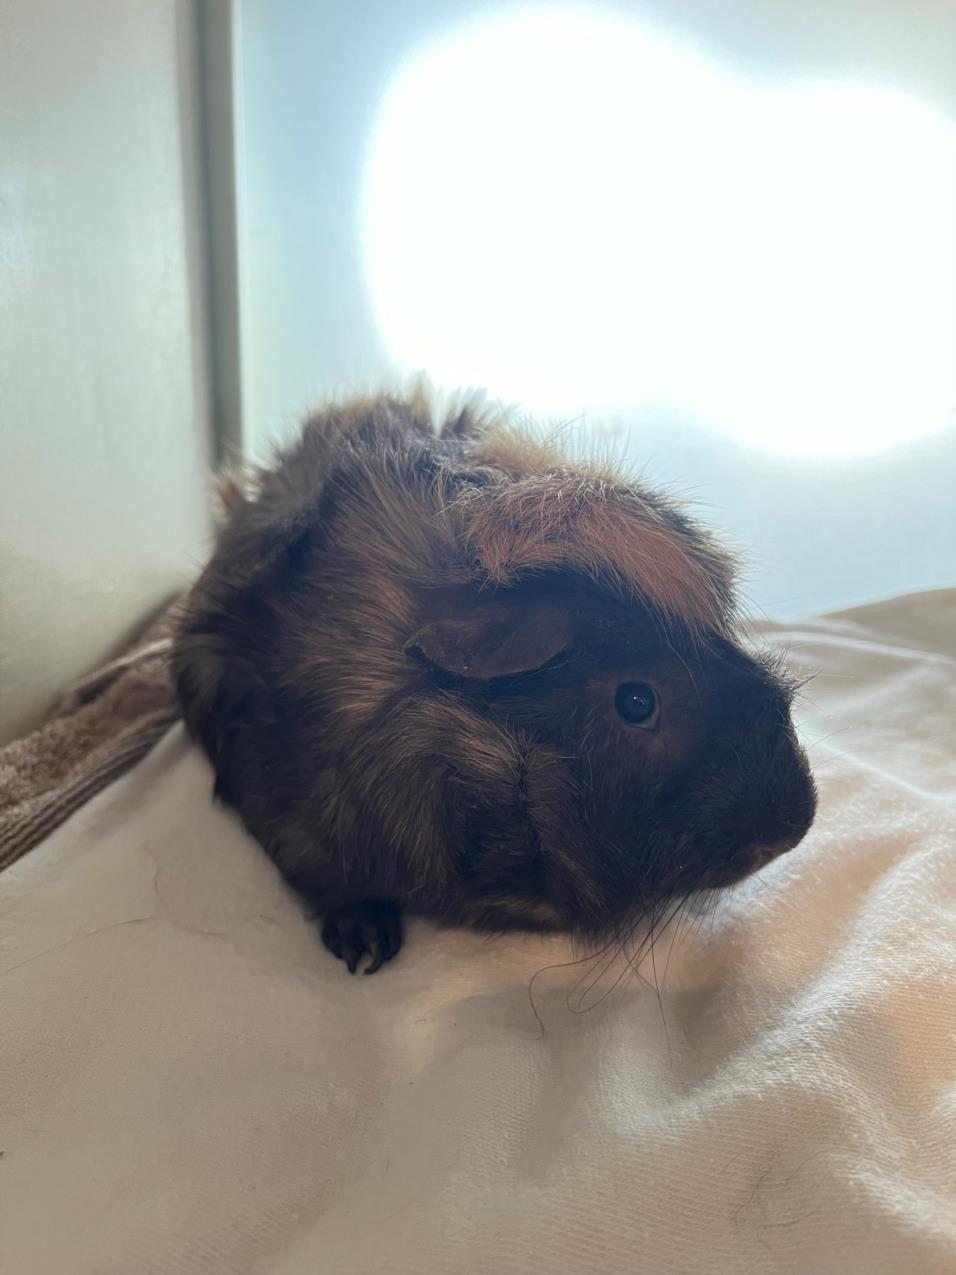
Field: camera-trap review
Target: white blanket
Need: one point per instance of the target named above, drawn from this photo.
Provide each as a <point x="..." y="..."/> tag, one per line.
<point x="190" y="1083"/>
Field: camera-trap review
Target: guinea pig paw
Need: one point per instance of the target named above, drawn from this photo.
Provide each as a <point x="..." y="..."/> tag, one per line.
<point x="372" y="928"/>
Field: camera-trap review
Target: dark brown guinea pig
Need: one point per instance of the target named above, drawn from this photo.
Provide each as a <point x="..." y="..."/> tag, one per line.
<point x="454" y="674"/>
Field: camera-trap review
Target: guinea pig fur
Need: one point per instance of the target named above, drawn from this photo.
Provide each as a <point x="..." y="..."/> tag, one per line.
<point x="450" y="672"/>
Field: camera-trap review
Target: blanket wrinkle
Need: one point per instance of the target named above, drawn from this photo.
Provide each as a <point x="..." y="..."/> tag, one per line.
<point x="103" y="725"/>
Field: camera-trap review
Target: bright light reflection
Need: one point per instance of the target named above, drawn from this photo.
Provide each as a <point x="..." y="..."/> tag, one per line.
<point x="578" y="215"/>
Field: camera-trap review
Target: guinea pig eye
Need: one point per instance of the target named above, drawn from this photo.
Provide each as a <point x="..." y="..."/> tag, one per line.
<point x="637" y="703"/>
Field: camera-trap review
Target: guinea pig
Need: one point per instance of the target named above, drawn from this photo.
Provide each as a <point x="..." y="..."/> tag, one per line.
<point x="449" y="672"/>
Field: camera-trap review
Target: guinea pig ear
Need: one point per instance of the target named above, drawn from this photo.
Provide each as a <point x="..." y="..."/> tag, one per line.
<point x="496" y="639"/>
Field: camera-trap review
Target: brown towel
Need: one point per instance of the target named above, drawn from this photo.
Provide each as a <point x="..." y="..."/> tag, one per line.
<point x="105" y="724"/>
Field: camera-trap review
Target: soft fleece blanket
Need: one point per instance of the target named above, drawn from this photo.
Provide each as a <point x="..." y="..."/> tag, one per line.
<point x="190" y="1083"/>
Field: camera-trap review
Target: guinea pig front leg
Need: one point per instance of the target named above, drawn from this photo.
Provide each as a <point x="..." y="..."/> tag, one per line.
<point x="372" y="927"/>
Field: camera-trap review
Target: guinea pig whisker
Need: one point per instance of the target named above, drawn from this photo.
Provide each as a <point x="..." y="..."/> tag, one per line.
<point x="840" y="730"/>
<point x="690" y="675"/>
<point x="631" y="964"/>
<point x="715" y="905"/>
<point x="560" y="965"/>
<point x="697" y="916"/>
<point x="579" y="1006"/>
<point x="829" y="761"/>
<point x="681" y="917"/>
<point x="668" y="917"/>
<point x="628" y="966"/>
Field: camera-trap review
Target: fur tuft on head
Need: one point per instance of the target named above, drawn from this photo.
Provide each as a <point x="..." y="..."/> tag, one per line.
<point x="611" y="532"/>
<point x="515" y="502"/>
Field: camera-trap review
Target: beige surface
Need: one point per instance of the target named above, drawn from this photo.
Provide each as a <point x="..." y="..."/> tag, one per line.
<point x="189" y="1083"/>
<point x="103" y="441"/>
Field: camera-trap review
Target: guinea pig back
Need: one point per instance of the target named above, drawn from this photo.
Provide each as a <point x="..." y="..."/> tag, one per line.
<point x="449" y="671"/>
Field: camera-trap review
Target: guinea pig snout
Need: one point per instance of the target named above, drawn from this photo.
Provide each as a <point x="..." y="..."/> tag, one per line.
<point x="773" y="816"/>
<point x="757" y="803"/>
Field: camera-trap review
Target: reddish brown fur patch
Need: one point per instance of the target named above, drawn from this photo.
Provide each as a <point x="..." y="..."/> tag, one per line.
<point x="579" y="521"/>
<point x="517" y="452"/>
<point x="537" y="511"/>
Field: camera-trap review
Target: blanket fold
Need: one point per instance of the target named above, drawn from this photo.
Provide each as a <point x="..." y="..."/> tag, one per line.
<point x="104" y="725"/>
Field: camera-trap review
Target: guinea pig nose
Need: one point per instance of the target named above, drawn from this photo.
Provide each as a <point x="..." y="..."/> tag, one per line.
<point x="766" y="852"/>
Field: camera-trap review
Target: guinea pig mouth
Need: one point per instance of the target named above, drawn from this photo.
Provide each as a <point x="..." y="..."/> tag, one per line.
<point x="747" y="860"/>
<point x="763" y="854"/>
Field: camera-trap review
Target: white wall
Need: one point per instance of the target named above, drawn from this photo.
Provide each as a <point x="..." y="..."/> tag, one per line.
<point x="818" y="533"/>
<point x="104" y="438"/>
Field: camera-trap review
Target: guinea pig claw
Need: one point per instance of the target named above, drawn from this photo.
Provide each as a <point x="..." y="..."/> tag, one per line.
<point x="372" y="928"/>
